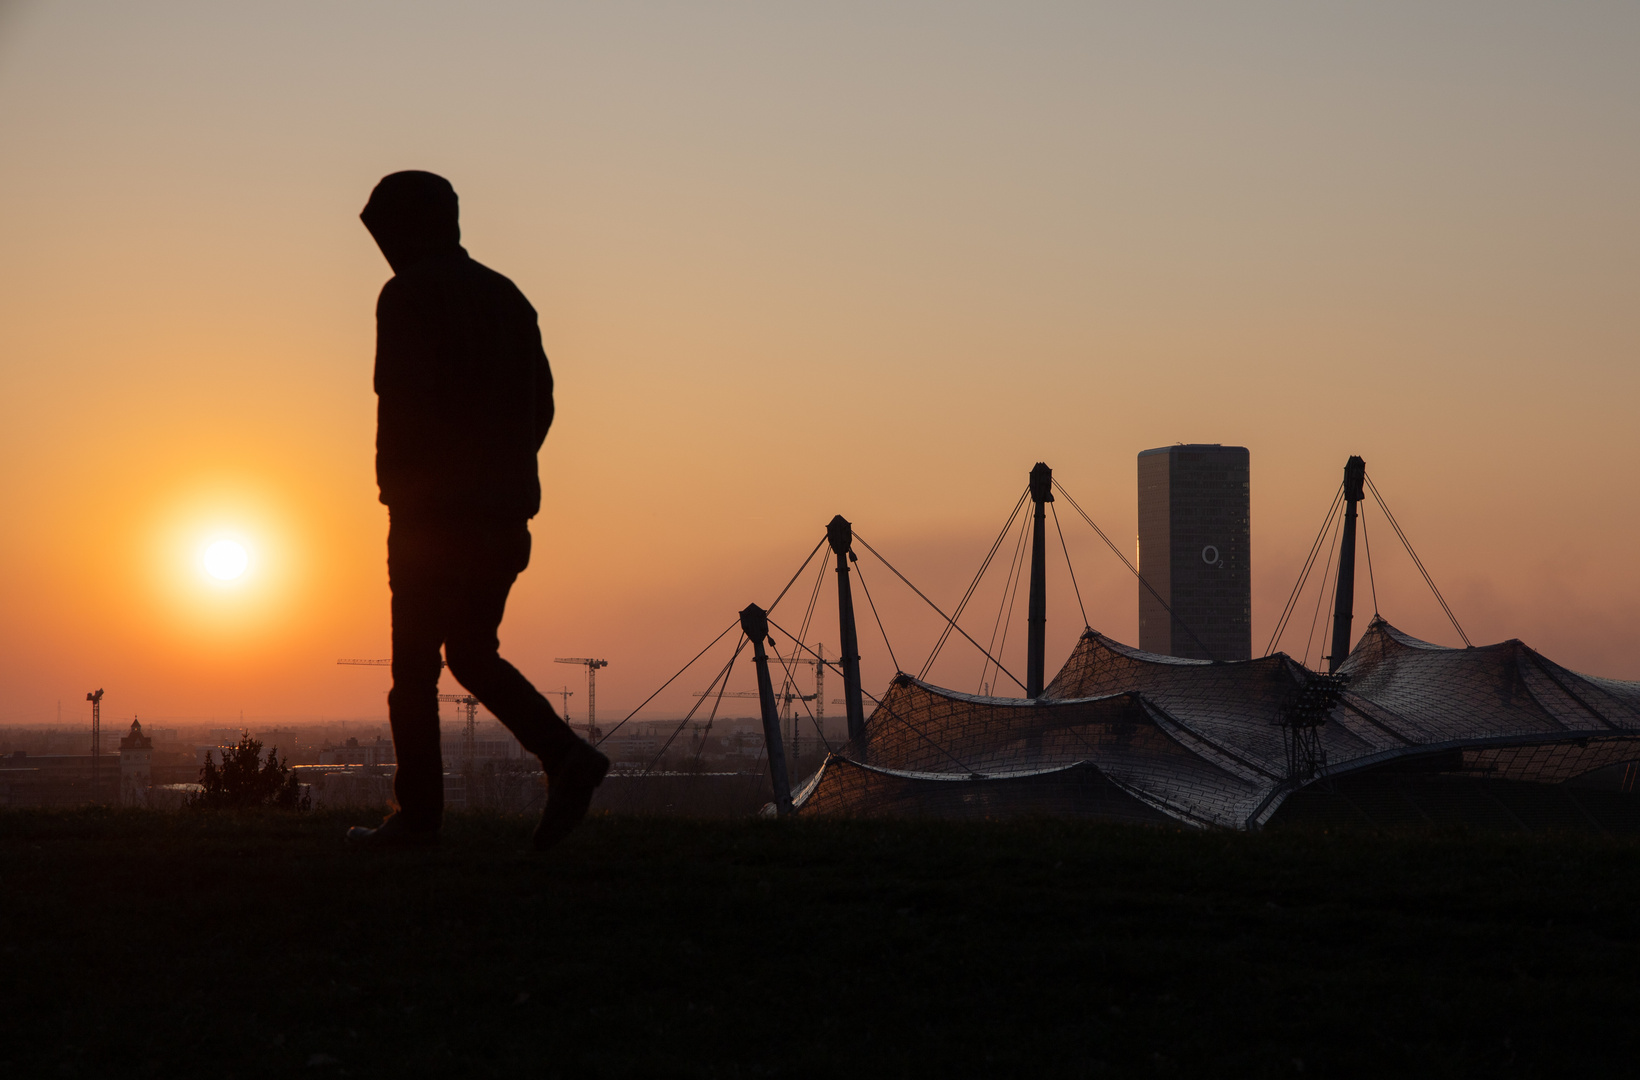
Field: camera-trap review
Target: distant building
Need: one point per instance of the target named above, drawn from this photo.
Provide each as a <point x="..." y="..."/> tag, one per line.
<point x="484" y="751"/>
<point x="136" y="766"/>
<point x="280" y="739"/>
<point x="1194" y="531"/>
<point x="353" y="752"/>
<point x="56" y="779"/>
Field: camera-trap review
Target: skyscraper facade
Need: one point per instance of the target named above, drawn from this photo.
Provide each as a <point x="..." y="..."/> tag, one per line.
<point x="1194" y="529"/>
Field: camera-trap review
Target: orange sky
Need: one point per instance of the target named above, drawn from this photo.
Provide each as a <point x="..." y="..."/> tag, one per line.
<point x="872" y="259"/>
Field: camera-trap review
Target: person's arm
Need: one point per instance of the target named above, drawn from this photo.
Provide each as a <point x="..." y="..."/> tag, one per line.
<point x="408" y="394"/>
<point x="405" y="361"/>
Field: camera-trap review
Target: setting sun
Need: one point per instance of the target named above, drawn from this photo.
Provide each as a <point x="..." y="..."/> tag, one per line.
<point x="225" y="560"/>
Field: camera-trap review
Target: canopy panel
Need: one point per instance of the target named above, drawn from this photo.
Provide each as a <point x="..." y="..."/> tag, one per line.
<point x="1127" y="734"/>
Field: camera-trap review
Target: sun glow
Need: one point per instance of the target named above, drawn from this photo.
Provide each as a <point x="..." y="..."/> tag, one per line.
<point x="226" y="560"/>
<point x="226" y="563"/>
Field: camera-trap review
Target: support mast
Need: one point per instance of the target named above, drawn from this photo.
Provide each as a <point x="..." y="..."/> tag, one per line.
<point x="840" y="533"/>
<point x="1037" y="620"/>
<point x="1355" y="472"/>
<point x="754" y="621"/>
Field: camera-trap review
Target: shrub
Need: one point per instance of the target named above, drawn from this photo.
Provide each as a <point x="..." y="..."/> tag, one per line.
<point x="244" y="780"/>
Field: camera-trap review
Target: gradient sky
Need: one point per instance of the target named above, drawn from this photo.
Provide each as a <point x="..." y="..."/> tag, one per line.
<point x="796" y="260"/>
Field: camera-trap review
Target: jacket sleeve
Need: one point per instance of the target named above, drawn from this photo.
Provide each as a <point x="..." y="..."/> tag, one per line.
<point x="405" y="361"/>
<point x="408" y="394"/>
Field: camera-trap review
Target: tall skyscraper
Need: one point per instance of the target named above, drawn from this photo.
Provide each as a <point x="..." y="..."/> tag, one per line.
<point x="1194" y="551"/>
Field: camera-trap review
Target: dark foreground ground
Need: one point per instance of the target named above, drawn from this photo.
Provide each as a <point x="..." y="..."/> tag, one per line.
<point x="199" y="944"/>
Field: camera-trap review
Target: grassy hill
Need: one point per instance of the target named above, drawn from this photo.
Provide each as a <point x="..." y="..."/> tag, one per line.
<point x="141" y="944"/>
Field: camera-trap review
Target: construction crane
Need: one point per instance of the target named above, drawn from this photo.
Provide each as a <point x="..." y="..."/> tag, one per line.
<point x="95" y="697"/>
<point x="566" y="693"/>
<point x="818" y="662"/>
<point x="786" y="696"/>
<point x="469" y="732"/>
<point x="592" y="667"/>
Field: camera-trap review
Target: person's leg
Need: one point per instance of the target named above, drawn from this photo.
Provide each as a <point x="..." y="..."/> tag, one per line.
<point x="491" y="561"/>
<point x="573" y="768"/>
<point x="418" y="571"/>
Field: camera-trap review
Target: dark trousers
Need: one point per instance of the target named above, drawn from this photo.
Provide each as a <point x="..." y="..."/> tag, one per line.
<point x="450" y="581"/>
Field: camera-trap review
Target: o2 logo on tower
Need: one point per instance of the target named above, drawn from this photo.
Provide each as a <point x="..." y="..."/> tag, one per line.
<point x="1210" y="556"/>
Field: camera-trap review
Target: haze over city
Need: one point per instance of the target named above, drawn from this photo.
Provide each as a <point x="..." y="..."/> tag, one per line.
<point x="791" y="263"/>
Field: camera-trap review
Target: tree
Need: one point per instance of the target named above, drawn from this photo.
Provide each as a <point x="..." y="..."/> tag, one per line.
<point x="245" y="780"/>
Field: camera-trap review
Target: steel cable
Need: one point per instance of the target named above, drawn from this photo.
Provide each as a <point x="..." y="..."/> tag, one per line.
<point x="723" y="679"/>
<point x="1018" y="578"/>
<point x="949" y="620"/>
<point x="1071" y="569"/>
<point x="1003" y="603"/>
<point x="945" y="633"/>
<point x="873" y="604"/>
<point x="1304" y="572"/>
<point x="1368" y="544"/>
<point x="1419" y="563"/>
<point x="1320" y="597"/>
<point x="789" y="584"/>
<point x="668" y="682"/>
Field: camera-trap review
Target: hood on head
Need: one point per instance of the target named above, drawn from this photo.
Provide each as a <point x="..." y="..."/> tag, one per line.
<point x="412" y="215"/>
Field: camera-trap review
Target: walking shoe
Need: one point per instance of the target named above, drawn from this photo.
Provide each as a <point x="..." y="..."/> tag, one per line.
<point x="569" y="793"/>
<point x="392" y="833"/>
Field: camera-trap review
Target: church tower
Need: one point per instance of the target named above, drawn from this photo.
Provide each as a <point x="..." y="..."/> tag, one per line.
<point x="136" y="769"/>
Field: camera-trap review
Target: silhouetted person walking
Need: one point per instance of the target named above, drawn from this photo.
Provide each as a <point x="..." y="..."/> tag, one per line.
<point x="464" y="401"/>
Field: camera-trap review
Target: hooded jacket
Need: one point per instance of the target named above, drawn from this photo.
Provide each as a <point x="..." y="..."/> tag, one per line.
<point x="464" y="390"/>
